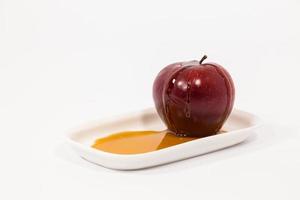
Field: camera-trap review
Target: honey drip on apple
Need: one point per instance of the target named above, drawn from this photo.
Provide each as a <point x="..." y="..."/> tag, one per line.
<point x="167" y="99"/>
<point x="136" y="142"/>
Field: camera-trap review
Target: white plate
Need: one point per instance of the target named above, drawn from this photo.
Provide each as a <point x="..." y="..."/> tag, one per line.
<point x="239" y="126"/>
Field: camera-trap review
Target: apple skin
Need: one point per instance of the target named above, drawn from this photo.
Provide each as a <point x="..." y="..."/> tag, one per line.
<point x="193" y="99"/>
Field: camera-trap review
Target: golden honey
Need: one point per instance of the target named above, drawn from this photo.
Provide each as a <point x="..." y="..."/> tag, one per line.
<point x="135" y="142"/>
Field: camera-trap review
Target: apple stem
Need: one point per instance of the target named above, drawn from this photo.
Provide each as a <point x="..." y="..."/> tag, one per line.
<point x="203" y="58"/>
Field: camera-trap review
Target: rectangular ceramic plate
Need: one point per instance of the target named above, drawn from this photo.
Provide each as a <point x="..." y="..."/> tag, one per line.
<point x="238" y="127"/>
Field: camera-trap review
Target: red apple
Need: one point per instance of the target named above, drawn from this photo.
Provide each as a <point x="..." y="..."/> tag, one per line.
<point x="193" y="98"/>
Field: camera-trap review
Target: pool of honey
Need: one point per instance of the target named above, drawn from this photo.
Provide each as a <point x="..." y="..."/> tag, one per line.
<point x="135" y="142"/>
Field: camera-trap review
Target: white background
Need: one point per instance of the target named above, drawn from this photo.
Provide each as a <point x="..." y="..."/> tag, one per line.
<point x="66" y="62"/>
